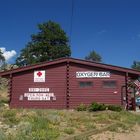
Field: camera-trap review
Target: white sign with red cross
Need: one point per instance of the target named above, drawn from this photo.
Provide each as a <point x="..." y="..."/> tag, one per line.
<point x="39" y="76"/>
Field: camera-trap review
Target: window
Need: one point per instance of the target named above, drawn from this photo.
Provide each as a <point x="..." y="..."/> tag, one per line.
<point x="85" y="84"/>
<point x="109" y="84"/>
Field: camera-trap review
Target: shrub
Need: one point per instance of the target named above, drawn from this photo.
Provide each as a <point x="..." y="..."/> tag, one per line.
<point x="1" y="104"/>
<point x="5" y="101"/>
<point x="81" y="107"/>
<point x="9" y="113"/>
<point x="114" y="108"/>
<point x="10" y="117"/>
<point x="97" y="107"/>
<point x="100" y="107"/>
<point x="69" y="131"/>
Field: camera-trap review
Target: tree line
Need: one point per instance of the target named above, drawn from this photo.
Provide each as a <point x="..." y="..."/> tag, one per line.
<point x="51" y="42"/>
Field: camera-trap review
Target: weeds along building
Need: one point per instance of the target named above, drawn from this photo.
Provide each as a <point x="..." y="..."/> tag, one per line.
<point x="67" y="82"/>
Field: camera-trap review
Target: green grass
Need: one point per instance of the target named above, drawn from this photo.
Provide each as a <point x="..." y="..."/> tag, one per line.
<point x="53" y="124"/>
<point x="69" y="131"/>
<point x="37" y="124"/>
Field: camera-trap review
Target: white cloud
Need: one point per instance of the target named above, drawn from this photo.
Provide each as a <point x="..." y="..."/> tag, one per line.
<point x="8" y="54"/>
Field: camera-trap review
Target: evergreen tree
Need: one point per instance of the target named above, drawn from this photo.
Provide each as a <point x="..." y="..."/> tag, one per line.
<point x="136" y="65"/>
<point x="94" y="56"/>
<point x="49" y="43"/>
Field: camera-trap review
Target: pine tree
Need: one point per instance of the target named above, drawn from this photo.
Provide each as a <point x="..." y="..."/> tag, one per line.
<point x="49" y="43"/>
<point x="136" y="65"/>
<point x="94" y="56"/>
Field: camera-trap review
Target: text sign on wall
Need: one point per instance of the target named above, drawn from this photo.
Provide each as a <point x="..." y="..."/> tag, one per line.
<point x="39" y="89"/>
<point x="39" y="96"/>
<point x="39" y="76"/>
<point x="92" y="74"/>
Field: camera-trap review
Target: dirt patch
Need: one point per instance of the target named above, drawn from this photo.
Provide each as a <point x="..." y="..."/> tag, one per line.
<point x="107" y="135"/>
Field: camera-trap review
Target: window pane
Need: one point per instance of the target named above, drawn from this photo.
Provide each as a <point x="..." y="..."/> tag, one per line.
<point x="109" y="84"/>
<point x="85" y="84"/>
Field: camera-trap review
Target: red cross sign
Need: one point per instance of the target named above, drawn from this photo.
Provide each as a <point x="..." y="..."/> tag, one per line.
<point x="39" y="74"/>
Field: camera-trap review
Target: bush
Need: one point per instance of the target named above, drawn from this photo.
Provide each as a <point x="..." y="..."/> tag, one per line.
<point x="114" y="108"/>
<point x="97" y="107"/>
<point x="4" y="101"/>
<point x="69" y="131"/>
<point x="1" y="104"/>
<point x="81" y="107"/>
<point x="10" y="117"/>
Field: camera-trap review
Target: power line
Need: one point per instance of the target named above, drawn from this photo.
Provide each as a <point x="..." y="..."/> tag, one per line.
<point x="71" y="22"/>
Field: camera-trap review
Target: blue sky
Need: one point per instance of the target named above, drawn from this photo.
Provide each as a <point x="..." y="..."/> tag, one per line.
<point x="110" y="27"/>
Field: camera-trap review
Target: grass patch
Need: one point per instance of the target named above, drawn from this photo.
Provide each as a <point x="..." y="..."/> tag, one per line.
<point x="10" y="118"/>
<point x="69" y="131"/>
<point x="26" y="124"/>
<point x="2" y="135"/>
<point x="114" y="108"/>
<point x="52" y="124"/>
<point x="82" y="107"/>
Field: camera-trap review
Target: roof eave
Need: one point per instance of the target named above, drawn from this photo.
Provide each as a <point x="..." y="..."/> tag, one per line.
<point x="73" y="60"/>
<point x="35" y="66"/>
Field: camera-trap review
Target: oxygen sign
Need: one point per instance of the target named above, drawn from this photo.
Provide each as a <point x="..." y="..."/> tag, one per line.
<point x="92" y="74"/>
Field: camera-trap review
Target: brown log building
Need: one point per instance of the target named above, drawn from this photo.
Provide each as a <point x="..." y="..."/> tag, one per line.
<point x="67" y="82"/>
